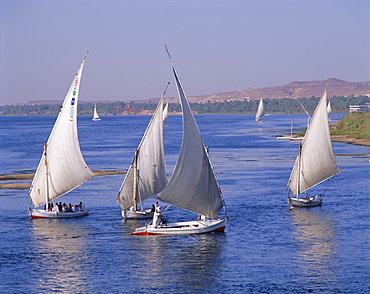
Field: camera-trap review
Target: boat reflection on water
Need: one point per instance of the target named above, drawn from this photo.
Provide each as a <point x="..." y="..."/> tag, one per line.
<point x="61" y="249"/>
<point x="314" y="233"/>
<point x="183" y="263"/>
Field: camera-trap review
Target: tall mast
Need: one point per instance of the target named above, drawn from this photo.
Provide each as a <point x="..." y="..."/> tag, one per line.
<point x="134" y="193"/>
<point x="46" y="177"/>
<point x="299" y="168"/>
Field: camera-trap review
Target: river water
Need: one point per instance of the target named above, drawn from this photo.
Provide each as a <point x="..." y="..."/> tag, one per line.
<point x="266" y="248"/>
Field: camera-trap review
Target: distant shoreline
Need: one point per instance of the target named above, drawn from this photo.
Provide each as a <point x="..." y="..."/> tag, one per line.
<point x="349" y="140"/>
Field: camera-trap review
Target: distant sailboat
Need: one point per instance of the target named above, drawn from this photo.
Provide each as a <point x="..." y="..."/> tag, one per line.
<point x="62" y="167"/>
<point x="315" y="162"/>
<point x="329" y="108"/>
<point x="165" y="112"/>
<point x="193" y="185"/>
<point x="96" y="115"/>
<point x="146" y="175"/>
<point x="291" y="133"/>
<point x="260" y="111"/>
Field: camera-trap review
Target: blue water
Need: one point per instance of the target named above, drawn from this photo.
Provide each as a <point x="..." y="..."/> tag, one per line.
<point x="266" y="248"/>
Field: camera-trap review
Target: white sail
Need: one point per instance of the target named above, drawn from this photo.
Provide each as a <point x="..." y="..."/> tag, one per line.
<point x="193" y="185"/>
<point x="315" y="161"/>
<point x="329" y="108"/>
<point x="62" y="167"/>
<point x="149" y="165"/>
<point x="96" y="115"/>
<point x="260" y="110"/>
<point x="165" y="112"/>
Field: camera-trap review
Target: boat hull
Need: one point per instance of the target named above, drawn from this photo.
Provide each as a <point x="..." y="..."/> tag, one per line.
<point x="42" y="213"/>
<point x="183" y="228"/>
<point x="304" y="202"/>
<point x="298" y="139"/>
<point x="139" y="214"/>
<point x="283" y="138"/>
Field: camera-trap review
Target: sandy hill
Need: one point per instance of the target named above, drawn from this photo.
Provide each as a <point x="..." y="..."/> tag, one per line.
<point x="298" y="89"/>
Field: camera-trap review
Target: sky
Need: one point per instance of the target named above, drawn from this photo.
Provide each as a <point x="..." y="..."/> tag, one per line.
<point x="216" y="46"/>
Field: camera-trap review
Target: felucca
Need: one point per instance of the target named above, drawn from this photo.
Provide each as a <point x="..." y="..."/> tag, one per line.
<point x="165" y="112"/>
<point x="62" y="167"/>
<point x="193" y="185"/>
<point x="146" y="175"/>
<point x="96" y="115"/>
<point x="315" y="162"/>
<point x="260" y="111"/>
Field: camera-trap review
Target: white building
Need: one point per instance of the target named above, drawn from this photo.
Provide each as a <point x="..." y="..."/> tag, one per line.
<point x="359" y="108"/>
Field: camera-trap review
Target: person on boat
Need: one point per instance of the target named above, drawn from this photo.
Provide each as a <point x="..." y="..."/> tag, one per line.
<point x="77" y="208"/>
<point x="50" y="207"/>
<point x="163" y="221"/>
<point x="153" y="208"/>
<point x="60" y="206"/>
<point x="157" y="215"/>
<point x="55" y="208"/>
<point x="81" y="206"/>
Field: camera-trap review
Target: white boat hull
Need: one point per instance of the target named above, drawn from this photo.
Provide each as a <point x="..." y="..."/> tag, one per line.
<point x="42" y="213"/>
<point x="183" y="228"/>
<point x="304" y="202"/>
<point x="138" y="214"/>
<point x="283" y="138"/>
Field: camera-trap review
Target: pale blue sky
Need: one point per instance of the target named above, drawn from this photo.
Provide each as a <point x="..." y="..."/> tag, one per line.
<point x="217" y="46"/>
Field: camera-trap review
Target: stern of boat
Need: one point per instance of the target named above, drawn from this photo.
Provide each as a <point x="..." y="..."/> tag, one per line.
<point x="139" y="214"/>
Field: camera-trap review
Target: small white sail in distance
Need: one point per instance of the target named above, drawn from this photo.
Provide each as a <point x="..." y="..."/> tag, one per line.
<point x="62" y="167"/>
<point x="329" y="108"/>
<point x="260" y="110"/>
<point x="165" y="112"/>
<point x="96" y="115"/>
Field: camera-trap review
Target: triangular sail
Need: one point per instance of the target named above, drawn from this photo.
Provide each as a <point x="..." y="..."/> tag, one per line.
<point x="62" y="167"/>
<point x="95" y="115"/>
<point x="329" y="108"/>
<point x="260" y="110"/>
<point x="315" y="161"/>
<point x="149" y="164"/>
<point x="165" y="112"/>
<point x="193" y="185"/>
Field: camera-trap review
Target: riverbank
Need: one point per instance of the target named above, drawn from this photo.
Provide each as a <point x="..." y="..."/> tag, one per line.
<point x="29" y="177"/>
<point x="353" y="128"/>
<point x="349" y="140"/>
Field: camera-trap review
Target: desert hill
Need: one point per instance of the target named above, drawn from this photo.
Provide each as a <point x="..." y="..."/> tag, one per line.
<point x="297" y="89"/>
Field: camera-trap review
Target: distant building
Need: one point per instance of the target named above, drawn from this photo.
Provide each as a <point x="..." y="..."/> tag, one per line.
<point x="359" y="108"/>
